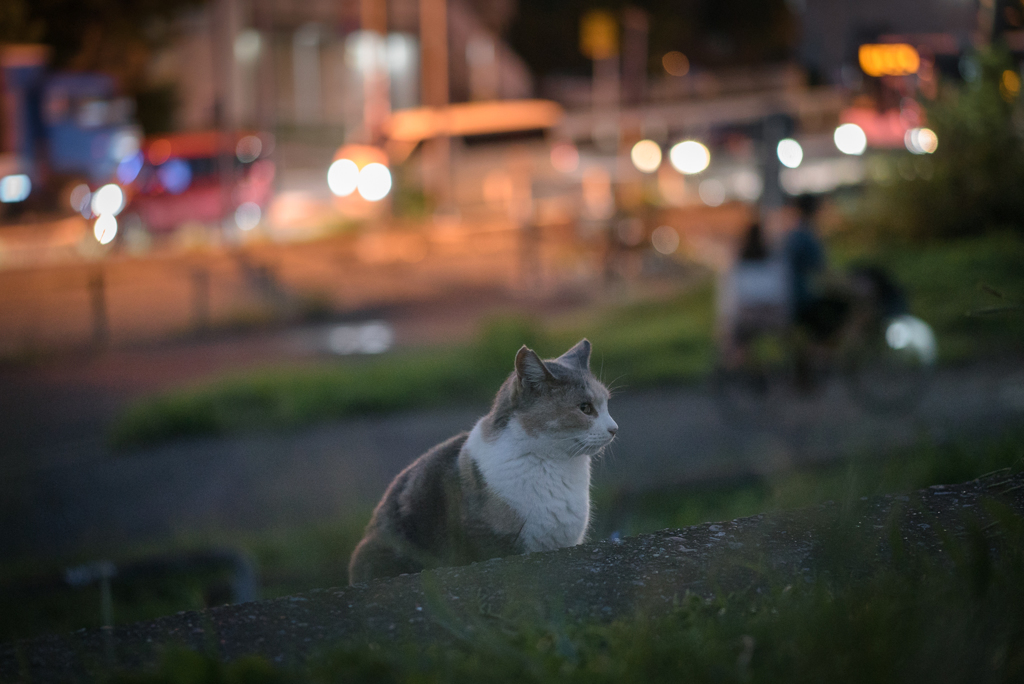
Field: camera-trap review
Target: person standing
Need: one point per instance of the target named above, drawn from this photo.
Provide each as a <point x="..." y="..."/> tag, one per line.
<point x="805" y="257"/>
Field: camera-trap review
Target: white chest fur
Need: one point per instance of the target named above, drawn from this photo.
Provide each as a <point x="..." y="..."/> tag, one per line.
<point x="547" y="488"/>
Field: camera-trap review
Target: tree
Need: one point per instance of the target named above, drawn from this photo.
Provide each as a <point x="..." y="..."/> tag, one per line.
<point x="977" y="172"/>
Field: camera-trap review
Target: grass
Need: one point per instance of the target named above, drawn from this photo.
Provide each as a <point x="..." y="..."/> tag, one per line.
<point x="656" y="342"/>
<point x="915" y="467"/>
<point x="666" y="341"/>
<point x="913" y="620"/>
<point x="895" y="626"/>
<point x="33" y="599"/>
<point x="947" y="284"/>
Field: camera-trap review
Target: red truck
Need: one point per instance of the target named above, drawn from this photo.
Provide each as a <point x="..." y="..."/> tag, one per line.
<point x="206" y="177"/>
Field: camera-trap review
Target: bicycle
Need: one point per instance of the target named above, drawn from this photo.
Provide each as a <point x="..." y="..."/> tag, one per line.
<point x="863" y="333"/>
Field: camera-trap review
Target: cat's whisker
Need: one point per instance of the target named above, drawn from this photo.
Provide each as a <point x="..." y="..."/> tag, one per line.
<point x="613" y="388"/>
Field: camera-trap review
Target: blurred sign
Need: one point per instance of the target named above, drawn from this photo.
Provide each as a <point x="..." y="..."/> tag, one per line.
<point x="599" y="35"/>
<point x="884" y="59"/>
<point x="881" y="129"/>
<point x="473" y="118"/>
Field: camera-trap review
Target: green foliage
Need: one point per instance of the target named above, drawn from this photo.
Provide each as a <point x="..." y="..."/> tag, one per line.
<point x="912" y="621"/>
<point x="921" y="465"/>
<point x="182" y="666"/>
<point x="298" y="559"/>
<point x="35" y="601"/>
<point x="975" y="178"/>
<point x="652" y="343"/>
<point x="946" y="283"/>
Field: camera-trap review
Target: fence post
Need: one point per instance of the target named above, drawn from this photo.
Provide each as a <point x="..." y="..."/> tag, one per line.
<point x="201" y="298"/>
<point x="98" y="305"/>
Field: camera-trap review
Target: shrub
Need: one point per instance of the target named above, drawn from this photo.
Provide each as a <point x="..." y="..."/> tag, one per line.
<point x="974" y="182"/>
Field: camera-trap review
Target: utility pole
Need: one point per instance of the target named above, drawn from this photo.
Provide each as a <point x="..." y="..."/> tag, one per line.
<point x="986" y="23"/>
<point x="373" y="18"/>
<point x="222" y="38"/>
<point x="635" y="27"/>
<point x="434" y="86"/>
<point x="599" y="40"/>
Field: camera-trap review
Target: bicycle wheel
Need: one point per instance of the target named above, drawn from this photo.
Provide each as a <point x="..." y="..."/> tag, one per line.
<point x="889" y="367"/>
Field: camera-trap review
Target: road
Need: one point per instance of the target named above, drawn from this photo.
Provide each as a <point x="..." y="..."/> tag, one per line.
<point x="97" y="501"/>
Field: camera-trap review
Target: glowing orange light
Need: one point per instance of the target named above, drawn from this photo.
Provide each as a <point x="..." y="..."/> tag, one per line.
<point x="885" y="59"/>
<point x="599" y="35"/>
<point x="1009" y="85"/>
<point x="675" y="63"/>
<point x="473" y="118"/>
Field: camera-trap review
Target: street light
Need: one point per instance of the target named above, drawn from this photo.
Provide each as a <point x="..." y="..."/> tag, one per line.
<point x="850" y="139"/>
<point x="790" y="153"/>
<point x="343" y="177"/>
<point x="108" y="200"/>
<point x="689" y="157"/>
<point x="374" y="182"/>
<point x="646" y="156"/>
<point x="921" y="140"/>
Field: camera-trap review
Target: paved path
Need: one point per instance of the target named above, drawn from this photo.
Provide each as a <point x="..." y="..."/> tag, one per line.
<point x="668" y="437"/>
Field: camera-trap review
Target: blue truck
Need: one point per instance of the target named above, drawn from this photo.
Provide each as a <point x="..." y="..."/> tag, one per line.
<point x="60" y="130"/>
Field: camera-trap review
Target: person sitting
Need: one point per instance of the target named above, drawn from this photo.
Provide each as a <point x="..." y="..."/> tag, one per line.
<point x="754" y="295"/>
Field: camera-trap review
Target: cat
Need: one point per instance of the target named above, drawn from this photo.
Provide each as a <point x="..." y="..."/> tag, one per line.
<point x="518" y="482"/>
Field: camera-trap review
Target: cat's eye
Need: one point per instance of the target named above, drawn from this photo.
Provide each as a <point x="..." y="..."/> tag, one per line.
<point x="587" y="408"/>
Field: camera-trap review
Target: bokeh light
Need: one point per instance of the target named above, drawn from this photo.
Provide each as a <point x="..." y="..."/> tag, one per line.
<point x="565" y="158"/>
<point x="712" y="192"/>
<point x="909" y="332"/>
<point x="248" y="215"/>
<point x="248" y="149"/>
<point x="790" y="153"/>
<point x="646" y="156"/>
<point x="128" y="169"/>
<point x="689" y="157"/>
<point x="374" y="337"/>
<point x="850" y="139"/>
<point x="921" y="141"/>
<point x="108" y="200"/>
<point x="124" y="145"/>
<point x="665" y="239"/>
<point x="247" y="46"/>
<point x="105" y="229"/>
<point x="159" y="152"/>
<point x="80" y="198"/>
<point x="675" y="63"/>
<point x="1009" y="85"/>
<point x="15" y="188"/>
<point x="374" y="182"/>
<point x="748" y="185"/>
<point x="343" y="177"/>
<point x="175" y="175"/>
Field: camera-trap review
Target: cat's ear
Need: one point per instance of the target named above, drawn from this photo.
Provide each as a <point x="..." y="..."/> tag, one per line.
<point x="579" y="355"/>
<point x="530" y="369"/>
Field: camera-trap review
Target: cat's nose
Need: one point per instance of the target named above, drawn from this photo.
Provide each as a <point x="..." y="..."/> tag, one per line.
<point x="613" y="429"/>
